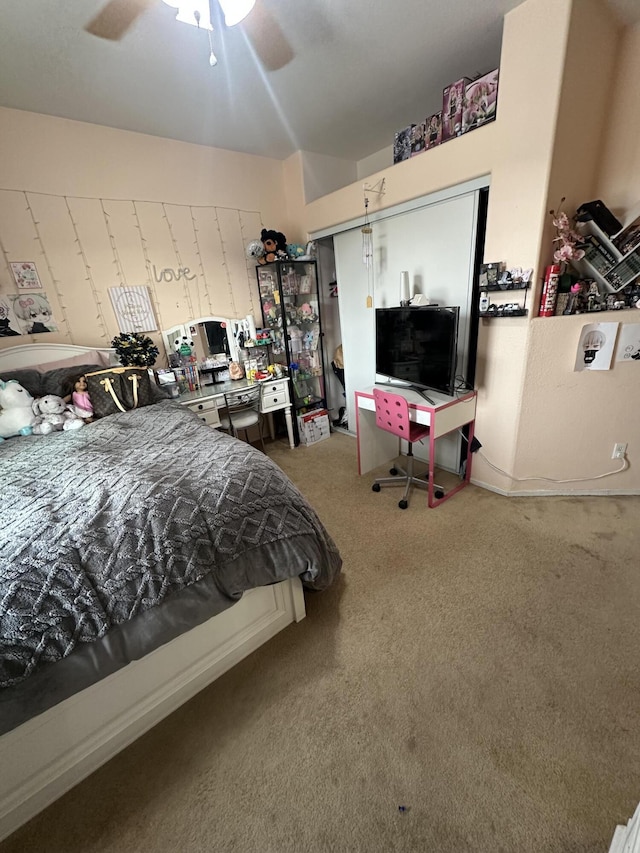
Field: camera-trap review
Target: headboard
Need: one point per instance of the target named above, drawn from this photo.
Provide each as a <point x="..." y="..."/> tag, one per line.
<point x="28" y="355"/>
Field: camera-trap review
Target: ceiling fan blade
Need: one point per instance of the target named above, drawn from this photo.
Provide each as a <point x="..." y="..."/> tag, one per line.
<point x="115" y="18"/>
<point x="267" y="38"/>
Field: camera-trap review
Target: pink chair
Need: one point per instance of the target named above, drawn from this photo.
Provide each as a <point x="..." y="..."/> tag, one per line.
<point x="392" y="414"/>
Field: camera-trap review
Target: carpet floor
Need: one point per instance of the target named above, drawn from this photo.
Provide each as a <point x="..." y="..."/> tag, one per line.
<point x="470" y="683"/>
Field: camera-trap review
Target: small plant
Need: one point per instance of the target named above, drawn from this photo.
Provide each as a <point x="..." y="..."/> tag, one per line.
<point x="135" y="350"/>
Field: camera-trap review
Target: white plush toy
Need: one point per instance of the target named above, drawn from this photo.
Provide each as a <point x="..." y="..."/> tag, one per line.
<point x="16" y="417"/>
<point x="52" y="413"/>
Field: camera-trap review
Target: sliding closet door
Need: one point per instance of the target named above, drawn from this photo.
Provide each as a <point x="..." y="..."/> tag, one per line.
<point x="435" y="243"/>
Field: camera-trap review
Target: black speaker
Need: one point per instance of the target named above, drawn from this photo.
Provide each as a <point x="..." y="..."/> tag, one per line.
<point x="601" y="215"/>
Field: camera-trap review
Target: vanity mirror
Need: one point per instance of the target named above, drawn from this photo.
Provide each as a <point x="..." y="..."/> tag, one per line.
<point x="211" y="336"/>
<point x="216" y="341"/>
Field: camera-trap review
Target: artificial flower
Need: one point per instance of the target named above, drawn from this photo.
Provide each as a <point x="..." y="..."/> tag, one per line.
<point x="570" y="242"/>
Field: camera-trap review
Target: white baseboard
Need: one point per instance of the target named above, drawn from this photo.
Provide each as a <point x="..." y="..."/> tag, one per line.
<point x="532" y="493"/>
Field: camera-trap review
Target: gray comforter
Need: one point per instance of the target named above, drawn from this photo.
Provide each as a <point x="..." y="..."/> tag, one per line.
<point x="102" y="524"/>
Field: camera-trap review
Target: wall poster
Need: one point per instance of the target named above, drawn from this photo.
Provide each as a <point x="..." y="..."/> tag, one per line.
<point x="596" y="345"/>
<point x="133" y="309"/>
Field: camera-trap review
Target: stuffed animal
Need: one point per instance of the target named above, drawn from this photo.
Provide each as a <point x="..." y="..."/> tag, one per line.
<point x="275" y="246"/>
<point x="183" y="346"/>
<point x="309" y="252"/>
<point x="295" y="251"/>
<point x="52" y="413"/>
<point x="16" y="417"/>
<point x="306" y="314"/>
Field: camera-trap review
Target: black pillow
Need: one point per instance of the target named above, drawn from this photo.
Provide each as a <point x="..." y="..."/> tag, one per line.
<point x="31" y="380"/>
<point x="60" y="381"/>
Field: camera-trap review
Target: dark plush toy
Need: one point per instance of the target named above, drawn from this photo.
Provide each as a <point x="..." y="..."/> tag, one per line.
<point x="275" y="246"/>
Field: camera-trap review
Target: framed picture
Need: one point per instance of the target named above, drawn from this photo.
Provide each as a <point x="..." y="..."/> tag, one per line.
<point x="133" y="309"/>
<point x="489" y="275"/>
<point x="25" y="275"/>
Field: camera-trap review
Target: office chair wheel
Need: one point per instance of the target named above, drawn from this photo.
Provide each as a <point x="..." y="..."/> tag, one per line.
<point x="438" y="494"/>
<point x="375" y="487"/>
<point x="403" y="504"/>
<point x="393" y="471"/>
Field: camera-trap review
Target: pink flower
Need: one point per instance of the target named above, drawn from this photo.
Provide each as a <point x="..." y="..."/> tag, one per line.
<point x="570" y="248"/>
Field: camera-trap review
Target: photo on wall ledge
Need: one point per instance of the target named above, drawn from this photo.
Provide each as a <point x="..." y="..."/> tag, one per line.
<point x="596" y="346"/>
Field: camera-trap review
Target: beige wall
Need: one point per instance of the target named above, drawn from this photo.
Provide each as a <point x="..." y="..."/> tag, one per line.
<point x="547" y="141"/>
<point x="96" y="208"/>
<point x="619" y="177"/>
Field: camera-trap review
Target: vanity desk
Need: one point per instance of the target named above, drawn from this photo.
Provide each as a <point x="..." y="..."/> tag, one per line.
<point x="214" y="341"/>
<point x="209" y="399"/>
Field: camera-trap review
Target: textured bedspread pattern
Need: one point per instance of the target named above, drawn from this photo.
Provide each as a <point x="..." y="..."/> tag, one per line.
<point x="106" y="522"/>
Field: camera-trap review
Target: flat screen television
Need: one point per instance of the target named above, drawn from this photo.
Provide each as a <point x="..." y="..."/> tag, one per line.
<point x="418" y="346"/>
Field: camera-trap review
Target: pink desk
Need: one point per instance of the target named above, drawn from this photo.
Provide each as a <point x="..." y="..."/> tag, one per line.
<point x="377" y="447"/>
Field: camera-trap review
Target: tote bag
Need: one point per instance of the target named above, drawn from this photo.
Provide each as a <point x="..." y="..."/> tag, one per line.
<point x="118" y="389"/>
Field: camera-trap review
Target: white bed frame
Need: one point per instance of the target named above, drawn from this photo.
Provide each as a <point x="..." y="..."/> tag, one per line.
<point x="49" y="754"/>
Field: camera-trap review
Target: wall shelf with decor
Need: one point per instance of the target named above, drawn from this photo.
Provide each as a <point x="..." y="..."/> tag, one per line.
<point x="492" y="311"/>
<point x="501" y="288"/>
<point x="496" y="281"/>
<point x="497" y="314"/>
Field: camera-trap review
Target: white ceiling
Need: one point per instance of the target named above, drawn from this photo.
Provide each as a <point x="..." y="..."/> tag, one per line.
<point x="362" y="70"/>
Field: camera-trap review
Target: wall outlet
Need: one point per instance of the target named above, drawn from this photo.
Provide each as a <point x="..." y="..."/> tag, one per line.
<point x="619" y="451"/>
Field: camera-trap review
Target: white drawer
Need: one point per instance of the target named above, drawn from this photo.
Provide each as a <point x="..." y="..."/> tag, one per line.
<point x="206" y="410"/>
<point x="198" y="406"/>
<point x="210" y="417"/>
<point x="275" y="395"/>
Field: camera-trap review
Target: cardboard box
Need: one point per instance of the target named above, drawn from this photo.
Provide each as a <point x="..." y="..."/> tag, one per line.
<point x="452" y="108"/>
<point x="314" y="426"/>
<point x="402" y="144"/>
<point x="480" y="101"/>
<point x="433" y="133"/>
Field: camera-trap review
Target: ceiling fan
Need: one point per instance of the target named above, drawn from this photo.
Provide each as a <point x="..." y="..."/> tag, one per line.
<point x="262" y="29"/>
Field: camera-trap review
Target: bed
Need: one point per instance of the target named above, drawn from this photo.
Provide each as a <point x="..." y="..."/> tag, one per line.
<point x="143" y="555"/>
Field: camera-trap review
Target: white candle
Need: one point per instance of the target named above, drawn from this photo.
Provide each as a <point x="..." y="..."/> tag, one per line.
<point x="251" y="327"/>
<point x="404" y="286"/>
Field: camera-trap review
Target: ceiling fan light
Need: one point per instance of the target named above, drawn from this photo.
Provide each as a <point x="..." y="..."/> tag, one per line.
<point x="236" y="10"/>
<point x="194" y="12"/>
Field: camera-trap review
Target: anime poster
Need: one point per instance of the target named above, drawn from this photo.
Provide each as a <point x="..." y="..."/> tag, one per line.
<point x="33" y="313"/>
<point x="9" y="325"/>
<point x="629" y="343"/>
<point x="596" y="346"/>
<point x="25" y="275"/>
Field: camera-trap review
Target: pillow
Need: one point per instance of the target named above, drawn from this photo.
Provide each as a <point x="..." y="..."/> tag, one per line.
<point x="28" y="377"/>
<point x="92" y="357"/>
<point x="60" y="380"/>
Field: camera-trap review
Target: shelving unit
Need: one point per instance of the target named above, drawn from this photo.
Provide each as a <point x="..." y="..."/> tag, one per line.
<point x="291" y="311"/>
<point x="505" y="290"/>
<point x="604" y="263"/>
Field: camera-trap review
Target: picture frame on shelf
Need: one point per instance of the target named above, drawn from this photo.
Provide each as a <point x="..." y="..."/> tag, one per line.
<point x="488" y="276"/>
